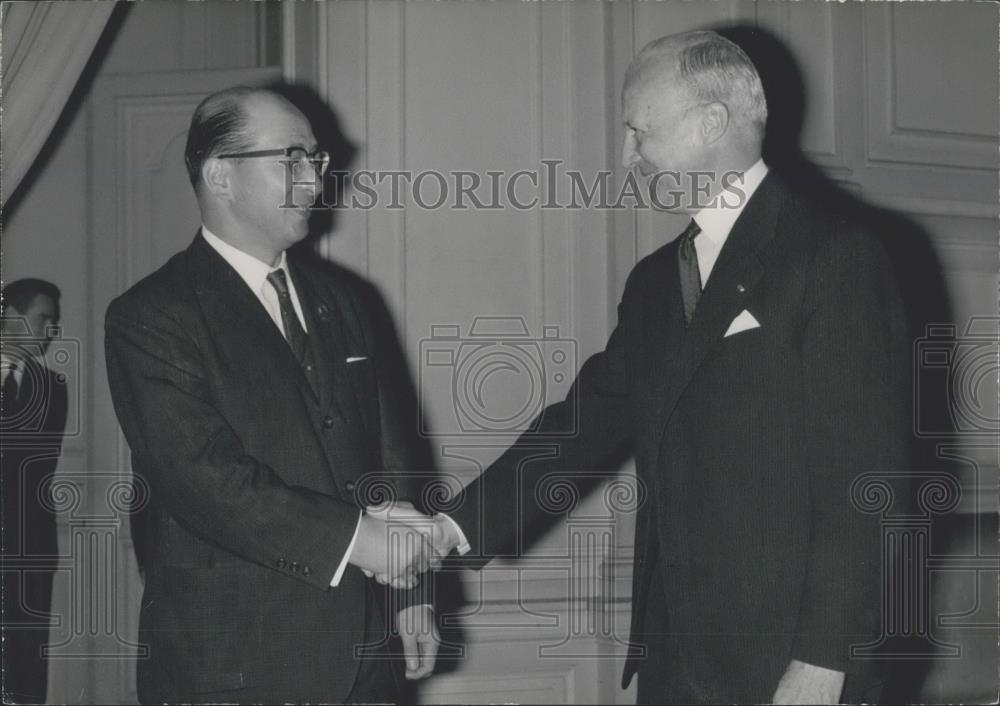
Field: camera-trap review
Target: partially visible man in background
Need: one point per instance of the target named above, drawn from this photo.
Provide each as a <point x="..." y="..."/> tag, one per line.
<point x="33" y="405"/>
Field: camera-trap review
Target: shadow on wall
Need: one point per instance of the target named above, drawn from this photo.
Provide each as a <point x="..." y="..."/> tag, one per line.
<point x="330" y="136"/>
<point x="922" y="282"/>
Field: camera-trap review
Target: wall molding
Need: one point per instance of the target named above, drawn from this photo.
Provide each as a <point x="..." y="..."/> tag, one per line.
<point x="558" y="686"/>
<point x="937" y="206"/>
<point x="889" y="143"/>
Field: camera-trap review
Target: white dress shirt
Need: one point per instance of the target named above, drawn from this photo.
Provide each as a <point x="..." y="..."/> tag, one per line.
<point x="11" y="365"/>
<point x="254" y="273"/>
<point x="717" y="220"/>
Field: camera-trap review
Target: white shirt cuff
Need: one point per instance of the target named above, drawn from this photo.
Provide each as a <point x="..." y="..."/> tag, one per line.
<point x="347" y="555"/>
<point x="463" y="542"/>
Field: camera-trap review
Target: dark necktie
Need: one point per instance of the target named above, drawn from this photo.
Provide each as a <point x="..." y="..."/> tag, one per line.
<point x="687" y="258"/>
<point x="10" y="388"/>
<point x="294" y="333"/>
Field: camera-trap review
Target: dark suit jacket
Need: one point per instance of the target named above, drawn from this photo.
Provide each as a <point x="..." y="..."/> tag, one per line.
<point x="254" y="479"/>
<point x="32" y="429"/>
<point x="748" y="543"/>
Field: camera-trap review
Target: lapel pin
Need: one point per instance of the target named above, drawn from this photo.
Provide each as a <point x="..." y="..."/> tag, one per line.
<point x="322" y="311"/>
<point x="741" y="289"/>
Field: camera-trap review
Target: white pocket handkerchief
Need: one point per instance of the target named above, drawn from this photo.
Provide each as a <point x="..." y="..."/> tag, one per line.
<point x="357" y="358"/>
<point x="744" y="322"/>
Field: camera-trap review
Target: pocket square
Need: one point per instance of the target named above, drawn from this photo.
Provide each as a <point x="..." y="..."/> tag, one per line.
<point x="357" y="358"/>
<point x="744" y="322"/>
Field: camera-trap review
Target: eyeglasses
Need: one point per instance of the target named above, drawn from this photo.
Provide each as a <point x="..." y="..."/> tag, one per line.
<point x="300" y="160"/>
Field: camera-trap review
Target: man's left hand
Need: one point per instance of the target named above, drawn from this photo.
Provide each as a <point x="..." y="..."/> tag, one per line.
<point x="420" y="639"/>
<point x="808" y="684"/>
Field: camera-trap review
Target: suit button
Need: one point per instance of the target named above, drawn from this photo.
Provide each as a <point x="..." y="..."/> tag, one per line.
<point x="306" y="571"/>
<point x="281" y="563"/>
<point x="349" y="487"/>
<point x="327" y="422"/>
<point x="294" y="566"/>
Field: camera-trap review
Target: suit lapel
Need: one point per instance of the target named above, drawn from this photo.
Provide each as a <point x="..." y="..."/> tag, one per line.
<point x="238" y="320"/>
<point x="326" y="337"/>
<point x="33" y="396"/>
<point x="737" y="271"/>
<point x="333" y="340"/>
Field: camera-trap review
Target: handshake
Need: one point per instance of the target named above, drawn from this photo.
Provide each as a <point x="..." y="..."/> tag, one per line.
<point x="396" y="543"/>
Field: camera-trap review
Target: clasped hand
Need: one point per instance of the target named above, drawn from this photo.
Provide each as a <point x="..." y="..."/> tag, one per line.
<point x="396" y="543"/>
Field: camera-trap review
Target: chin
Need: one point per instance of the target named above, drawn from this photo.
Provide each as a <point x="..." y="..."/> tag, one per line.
<point x="296" y="232"/>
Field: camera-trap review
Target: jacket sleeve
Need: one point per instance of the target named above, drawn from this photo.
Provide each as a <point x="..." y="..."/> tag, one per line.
<point x="855" y="381"/>
<point x="406" y="463"/>
<point x="519" y="495"/>
<point x="197" y="467"/>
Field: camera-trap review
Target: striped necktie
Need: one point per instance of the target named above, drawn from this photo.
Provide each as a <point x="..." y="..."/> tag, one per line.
<point x="294" y="333"/>
<point x="687" y="259"/>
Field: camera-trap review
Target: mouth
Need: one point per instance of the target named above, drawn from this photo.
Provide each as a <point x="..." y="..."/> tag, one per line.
<point x="304" y="202"/>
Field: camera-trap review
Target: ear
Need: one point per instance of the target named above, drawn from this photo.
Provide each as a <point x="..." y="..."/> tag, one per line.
<point x="216" y="176"/>
<point x="714" y="122"/>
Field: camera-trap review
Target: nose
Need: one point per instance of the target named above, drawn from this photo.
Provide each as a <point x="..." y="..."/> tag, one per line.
<point x="630" y="157"/>
<point x="313" y="191"/>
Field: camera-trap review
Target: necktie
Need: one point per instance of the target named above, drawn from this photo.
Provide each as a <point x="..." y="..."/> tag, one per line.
<point x="687" y="258"/>
<point x="294" y="333"/>
<point x="10" y="388"/>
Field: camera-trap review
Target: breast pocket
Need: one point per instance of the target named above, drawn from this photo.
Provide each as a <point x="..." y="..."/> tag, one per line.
<point x="360" y="372"/>
<point x="742" y="346"/>
<point x="358" y="375"/>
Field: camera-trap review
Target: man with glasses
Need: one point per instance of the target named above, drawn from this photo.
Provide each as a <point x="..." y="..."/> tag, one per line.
<point x="252" y="391"/>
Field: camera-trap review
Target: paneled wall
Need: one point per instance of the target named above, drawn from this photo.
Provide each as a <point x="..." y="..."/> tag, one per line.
<point x="492" y="87"/>
<point x="899" y="109"/>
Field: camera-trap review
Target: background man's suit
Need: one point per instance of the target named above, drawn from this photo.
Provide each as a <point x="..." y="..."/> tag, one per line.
<point x="252" y="475"/>
<point x="33" y="424"/>
<point x="748" y="551"/>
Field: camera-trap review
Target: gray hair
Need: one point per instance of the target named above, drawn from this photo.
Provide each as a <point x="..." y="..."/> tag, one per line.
<point x="716" y="69"/>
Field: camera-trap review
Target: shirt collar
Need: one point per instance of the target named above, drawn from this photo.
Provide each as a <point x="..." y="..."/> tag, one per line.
<point x="717" y="219"/>
<point x="253" y="271"/>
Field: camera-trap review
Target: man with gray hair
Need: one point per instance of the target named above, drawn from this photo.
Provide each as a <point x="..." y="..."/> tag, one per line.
<point x="757" y="369"/>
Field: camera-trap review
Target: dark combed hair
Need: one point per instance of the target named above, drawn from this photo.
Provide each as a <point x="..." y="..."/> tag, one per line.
<point x="20" y="293"/>
<point x="219" y="125"/>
